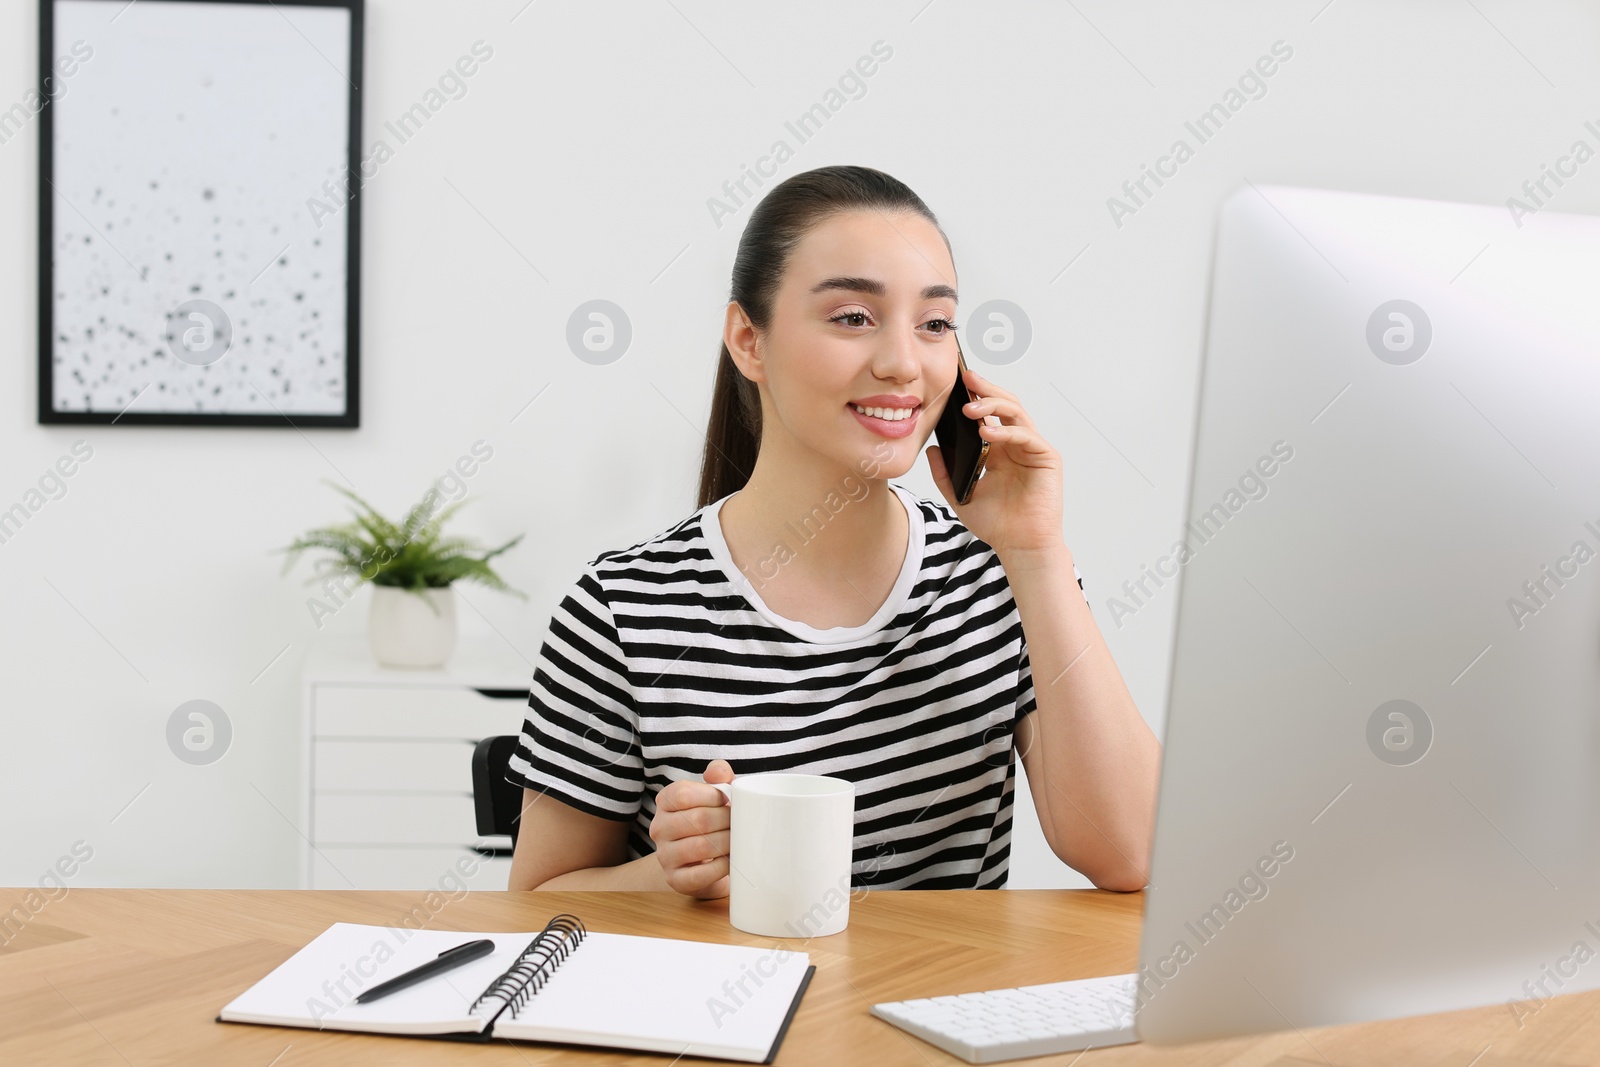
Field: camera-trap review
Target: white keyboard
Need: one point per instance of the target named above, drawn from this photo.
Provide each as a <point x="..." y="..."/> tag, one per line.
<point x="1030" y="1020"/>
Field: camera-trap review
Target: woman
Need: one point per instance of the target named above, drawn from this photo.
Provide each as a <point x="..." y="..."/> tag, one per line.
<point x="811" y="616"/>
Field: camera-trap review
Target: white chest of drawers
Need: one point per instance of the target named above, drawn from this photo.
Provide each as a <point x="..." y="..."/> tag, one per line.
<point x="387" y="802"/>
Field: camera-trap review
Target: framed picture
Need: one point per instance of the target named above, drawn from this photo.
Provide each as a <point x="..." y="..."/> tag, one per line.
<point x="199" y="212"/>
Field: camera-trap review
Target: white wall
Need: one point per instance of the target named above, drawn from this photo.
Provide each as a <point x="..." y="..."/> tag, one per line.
<point x="578" y="166"/>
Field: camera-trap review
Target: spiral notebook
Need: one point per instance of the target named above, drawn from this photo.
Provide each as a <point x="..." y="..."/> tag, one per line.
<point x="564" y="984"/>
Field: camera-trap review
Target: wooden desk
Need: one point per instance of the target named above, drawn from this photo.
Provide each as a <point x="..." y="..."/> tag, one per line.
<point x="136" y="976"/>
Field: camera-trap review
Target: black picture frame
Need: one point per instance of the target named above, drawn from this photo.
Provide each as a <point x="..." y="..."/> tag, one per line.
<point x="350" y="417"/>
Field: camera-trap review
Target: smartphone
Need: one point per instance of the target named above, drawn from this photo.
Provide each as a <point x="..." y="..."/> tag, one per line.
<point x="960" y="443"/>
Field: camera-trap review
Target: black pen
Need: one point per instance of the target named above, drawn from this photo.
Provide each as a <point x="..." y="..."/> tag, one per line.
<point x="450" y="957"/>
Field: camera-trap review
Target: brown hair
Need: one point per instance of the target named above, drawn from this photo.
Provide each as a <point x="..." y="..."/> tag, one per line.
<point x="778" y="223"/>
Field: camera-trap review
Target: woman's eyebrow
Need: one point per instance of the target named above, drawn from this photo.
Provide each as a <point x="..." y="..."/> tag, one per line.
<point x="877" y="288"/>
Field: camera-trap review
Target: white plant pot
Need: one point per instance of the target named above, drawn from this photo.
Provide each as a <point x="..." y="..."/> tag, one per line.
<point x="407" y="631"/>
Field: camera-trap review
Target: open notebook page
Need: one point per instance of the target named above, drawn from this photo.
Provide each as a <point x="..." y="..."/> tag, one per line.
<point x="664" y="995"/>
<point x="316" y="987"/>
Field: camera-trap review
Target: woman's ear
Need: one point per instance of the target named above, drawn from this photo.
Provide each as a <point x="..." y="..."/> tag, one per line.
<point x="743" y="344"/>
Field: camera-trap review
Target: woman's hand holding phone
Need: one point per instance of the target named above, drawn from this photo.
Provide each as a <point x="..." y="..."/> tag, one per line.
<point x="1017" y="505"/>
<point x="690" y="830"/>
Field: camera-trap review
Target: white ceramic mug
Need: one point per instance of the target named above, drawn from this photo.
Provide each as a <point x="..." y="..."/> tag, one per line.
<point x="789" y="851"/>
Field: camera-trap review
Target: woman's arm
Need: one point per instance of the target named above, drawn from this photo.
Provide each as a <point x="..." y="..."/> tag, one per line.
<point x="560" y="847"/>
<point x="1092" y="762"/>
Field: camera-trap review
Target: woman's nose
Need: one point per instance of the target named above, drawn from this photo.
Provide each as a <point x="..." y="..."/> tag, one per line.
<point x="897" y="359"/>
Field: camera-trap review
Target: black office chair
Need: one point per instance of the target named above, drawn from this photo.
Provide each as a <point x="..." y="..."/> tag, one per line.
<point x="496" y="802"/>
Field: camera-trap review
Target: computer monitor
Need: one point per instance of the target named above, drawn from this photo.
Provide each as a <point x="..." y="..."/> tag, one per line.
<point x="1379" y="793"/>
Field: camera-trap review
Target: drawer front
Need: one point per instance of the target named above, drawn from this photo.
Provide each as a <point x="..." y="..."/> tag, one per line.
<point x="392" y="766"/>
<point x="435" y="869"/>
<point x="392" y="820"/>
<point x="444" y="712"/>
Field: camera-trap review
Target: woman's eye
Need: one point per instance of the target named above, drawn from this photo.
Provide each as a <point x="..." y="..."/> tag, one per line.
<point x="850" y="315"/>
<point x="945" y="325"/>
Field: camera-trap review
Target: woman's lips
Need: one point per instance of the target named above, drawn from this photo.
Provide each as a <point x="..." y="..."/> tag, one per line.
<point x="885" y="428"/>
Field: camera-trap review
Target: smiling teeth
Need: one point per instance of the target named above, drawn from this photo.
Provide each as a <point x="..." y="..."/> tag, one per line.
<point x="886" y="414"/>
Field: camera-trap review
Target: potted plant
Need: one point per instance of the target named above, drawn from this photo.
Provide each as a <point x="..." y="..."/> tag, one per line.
<point x="411" y="565"/>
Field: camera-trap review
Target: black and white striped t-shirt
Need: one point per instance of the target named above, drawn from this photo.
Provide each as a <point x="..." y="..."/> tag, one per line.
<point x="663" y="657"/>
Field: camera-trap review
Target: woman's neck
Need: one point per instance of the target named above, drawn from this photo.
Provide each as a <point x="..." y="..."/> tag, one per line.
<point x="827" y="532"/>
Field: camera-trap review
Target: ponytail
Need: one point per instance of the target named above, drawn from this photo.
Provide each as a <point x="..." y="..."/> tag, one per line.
<point x="733" y="436"/>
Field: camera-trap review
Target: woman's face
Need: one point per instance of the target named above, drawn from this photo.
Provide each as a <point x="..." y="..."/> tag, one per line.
<point x="858" y="360"/>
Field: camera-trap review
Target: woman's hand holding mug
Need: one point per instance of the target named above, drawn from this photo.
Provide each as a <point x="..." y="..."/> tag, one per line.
<point x="690" y="830"/>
